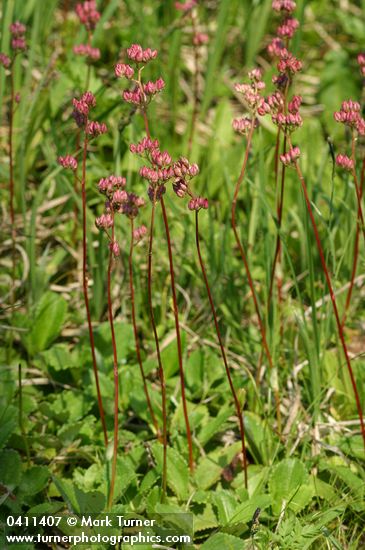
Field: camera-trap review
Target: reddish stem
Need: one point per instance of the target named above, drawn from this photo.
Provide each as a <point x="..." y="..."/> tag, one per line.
<point x="239" y="411"/>
<point x="159" y="360"/>
<point x="115" y="371"/>
<point x="248" y="273"/>
<point x="195" y="85"/>
<point x="11" y="182"/>
<point x="135" y="330"/>
<point x="161" y="373"/>
<point x="85" y="290"/>
<point x="356" y="251"/>
<point x="279" y="211"/>
<point x="332" y="295"/>
<point x="178" y="337"/>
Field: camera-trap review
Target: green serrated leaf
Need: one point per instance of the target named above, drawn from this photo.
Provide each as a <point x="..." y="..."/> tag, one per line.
<point x="177" y="470"/>
<point x="34" y="480"/>
<point x="10" y="469"/>
<point x="288" y="485"/>
<point x="223" y="540"/>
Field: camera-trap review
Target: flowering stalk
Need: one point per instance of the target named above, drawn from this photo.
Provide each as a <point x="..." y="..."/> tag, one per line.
<point x="199" y="39"/>
<point x="137" y="233"/>
<point x="88" y="17"/>
<point x="245" y="126"/>
<point x="330" y="289"/>
<point x="113" y="251"/>
<point x="18" y="45"/>
<point x="238" y="406"/>
<point x="91" y="129"/>
<point x="350" y="116"/>
<point x="161" y="171"/>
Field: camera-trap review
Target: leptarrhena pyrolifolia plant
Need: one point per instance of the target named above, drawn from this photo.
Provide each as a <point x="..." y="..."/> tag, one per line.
<point x="90" y="129"/>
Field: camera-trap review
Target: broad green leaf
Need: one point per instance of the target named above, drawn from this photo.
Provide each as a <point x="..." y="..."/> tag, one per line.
<point x="48" y="320"/>
<point x="10" y="469"/>
<point x="8" y="422"/>
<point x="34" y="480"/>
<point x="207" y="473"/>
<point x="226" y="504"/>
<point x="221" y="541"/>
<point x="288" y="484"/>
<point x="245" y="511"/>
<point x="177" y="470"/>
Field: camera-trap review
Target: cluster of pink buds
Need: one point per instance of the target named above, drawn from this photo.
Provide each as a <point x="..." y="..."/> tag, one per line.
<point x="343" y="161"/>
<point x="361" y="62"/>
<point x="289" y="123"/>
<point x="284" y="5"/>
<point x="290" y="157"/>
<point x="139" y="233"/>
<point x="289" y="63"/>
<point x="130" y="206"/>
<point x="5" y="60"/>
<point x="252" y="92"/>
<point x="94" y="128"/>
<point x="197" y="203"/>
<point x="137" y="54"/>
<point x="288" y="28"/>
<point x="122" y="69"/>
<point x="183" y="172"/>
<point x="86" y="50"/>
<point x="17" y="31"/>
<point x="88" y="14"/>
<point x="105" y="221"/>
<point x="200" y="38"/>
<point x="146" y="145"/>
<point x="186" y="6"/>
<point x="68" y="162"/>
<point x="107" y="186"/>
<point x="242" y="125"/>
<point x="349" y="114"/>
<point x="80" y="114"/>
<point x="142" y="93"/>
<point x="275" y="47"/>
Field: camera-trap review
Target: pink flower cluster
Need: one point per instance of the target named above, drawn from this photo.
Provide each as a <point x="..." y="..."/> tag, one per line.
<point x="200" y="38"/>
<point x="252" y="92"/>
<point x="187" y="6"/>
<point x="105" y="221"/>
<point x="288" y="27"/>
<point x="88" y="14"/>
<point x="290" y="157"/>
<point x="5" y="60"/>
<point x="107" y="186"/>
<point x="349" y="114"/>
<point x="275" y="47"/>
<point x="122" y="69"/>
<point x="136" y="53"/>
<point x="87" y="51"/>
<point x="183" y="172"/>
<point x="145" y="145"/>
<point x="80" y="114"/>
<point x="343" y="161"/>
<point x="289" y="63"/>
<point x="17" y="31"/>
<point x="289" y="122"/>
<point x="139" y="232"/>
<point x="361" y="62"/>
<point x="197" y="203"/>
<point x="68" y="162"/>
<point x="94" y="128"/>
<point x="283" y="5"/>
<point x="242" y="125"/>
